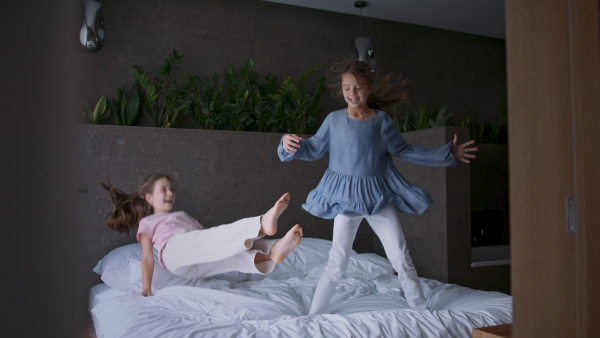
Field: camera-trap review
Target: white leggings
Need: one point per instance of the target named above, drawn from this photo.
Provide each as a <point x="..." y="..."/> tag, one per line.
<point x="387" y="227"/>
<point x="220" y="249"/>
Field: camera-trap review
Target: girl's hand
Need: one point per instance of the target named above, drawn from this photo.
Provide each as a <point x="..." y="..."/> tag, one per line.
<point x="290" y="143"/>
<point x="461" y="152"/>
<point x="146" y="293"/>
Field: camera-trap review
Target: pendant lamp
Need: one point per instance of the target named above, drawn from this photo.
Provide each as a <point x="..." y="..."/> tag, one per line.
<point x="362" y="47"/>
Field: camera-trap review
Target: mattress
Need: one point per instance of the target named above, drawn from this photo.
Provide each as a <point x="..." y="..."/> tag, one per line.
<point x="368" y="302"/>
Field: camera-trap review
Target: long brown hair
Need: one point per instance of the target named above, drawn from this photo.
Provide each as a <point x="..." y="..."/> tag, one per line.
<point x="129" y="209"/>
<point x="383" y="94"/>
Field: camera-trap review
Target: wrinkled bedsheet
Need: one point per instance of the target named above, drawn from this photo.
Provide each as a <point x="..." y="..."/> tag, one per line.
<point x="367" y="303"/>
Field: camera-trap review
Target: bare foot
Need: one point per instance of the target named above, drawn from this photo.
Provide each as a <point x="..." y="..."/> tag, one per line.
<point x="268" y="222"/>
<point x="284" y="246"/>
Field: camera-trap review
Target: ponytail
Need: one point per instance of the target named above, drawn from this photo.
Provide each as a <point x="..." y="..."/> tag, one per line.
<point x="387" y="93"/>
<point x="128" y="210"/>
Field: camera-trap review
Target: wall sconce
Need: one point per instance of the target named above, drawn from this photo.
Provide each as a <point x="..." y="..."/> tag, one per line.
<point x="362" y="47"/>
<point x="91" y="35"/>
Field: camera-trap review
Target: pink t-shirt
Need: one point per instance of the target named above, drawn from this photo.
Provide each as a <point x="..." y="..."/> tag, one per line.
<point x="162" y="226"/>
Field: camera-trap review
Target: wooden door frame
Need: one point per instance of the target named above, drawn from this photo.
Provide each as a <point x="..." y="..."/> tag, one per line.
<point x="552" y="46"/>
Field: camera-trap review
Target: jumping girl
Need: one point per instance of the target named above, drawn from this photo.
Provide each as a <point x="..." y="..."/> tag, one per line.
<point x="361" y="180"/>
<point x="184" y="247"/>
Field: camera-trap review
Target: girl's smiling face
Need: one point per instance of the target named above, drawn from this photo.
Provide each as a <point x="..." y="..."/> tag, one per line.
<point x="162" y="197"/>
<point x="356" y="91"/>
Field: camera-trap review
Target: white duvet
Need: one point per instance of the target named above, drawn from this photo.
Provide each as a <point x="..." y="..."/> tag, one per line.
<point x="368" y="303"/>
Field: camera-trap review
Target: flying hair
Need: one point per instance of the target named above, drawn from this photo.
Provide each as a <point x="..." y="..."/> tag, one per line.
<point x="383" y="94"/>
<point x="129" y="209"/>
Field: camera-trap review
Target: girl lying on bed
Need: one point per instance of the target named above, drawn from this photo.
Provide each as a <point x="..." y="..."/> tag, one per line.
<point x="186" y="251"/>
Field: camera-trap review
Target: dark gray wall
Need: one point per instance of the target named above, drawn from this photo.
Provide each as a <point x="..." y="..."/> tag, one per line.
<point x="466" y="72"/>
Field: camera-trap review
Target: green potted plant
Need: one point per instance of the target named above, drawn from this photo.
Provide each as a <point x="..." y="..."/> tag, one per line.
<point x="300" y="107"/>
<point x="269" y="116"/>
<point x="164" y="98"/>
<point x="205" y="97"/>
<point x="126" y="110"/>
<point x="100" y="111"/>
<point x="418" y="117"/>
<point x="243" y="100"/>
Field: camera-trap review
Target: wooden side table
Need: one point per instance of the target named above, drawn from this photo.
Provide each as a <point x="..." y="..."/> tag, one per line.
<point x="504" y="331"/>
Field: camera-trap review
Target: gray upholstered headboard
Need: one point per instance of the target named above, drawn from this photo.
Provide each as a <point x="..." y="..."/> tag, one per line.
<point x="222" y="176"/>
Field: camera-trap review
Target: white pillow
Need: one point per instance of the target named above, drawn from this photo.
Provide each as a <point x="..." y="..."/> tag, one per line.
<point x="114" y="267"/>
<point x="122" y="269"/>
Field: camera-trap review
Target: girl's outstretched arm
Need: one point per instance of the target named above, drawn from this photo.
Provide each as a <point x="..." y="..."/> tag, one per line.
<point x="313" y="148"/>
<point x="428" y="156"/>
<point x="461" y="152"/>
<point x="147" y="265"/>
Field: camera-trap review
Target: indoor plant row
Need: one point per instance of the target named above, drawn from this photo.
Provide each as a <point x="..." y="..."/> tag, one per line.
<point x="236" y="100"/>
<point x="240" y="100"/>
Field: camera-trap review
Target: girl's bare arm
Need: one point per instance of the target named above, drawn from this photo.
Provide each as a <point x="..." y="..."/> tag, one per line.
<point x="147" y="265"/>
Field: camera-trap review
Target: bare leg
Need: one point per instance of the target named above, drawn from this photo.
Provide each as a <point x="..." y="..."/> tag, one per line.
<point x="282" y="247"/>
<point x="268" y="222"/>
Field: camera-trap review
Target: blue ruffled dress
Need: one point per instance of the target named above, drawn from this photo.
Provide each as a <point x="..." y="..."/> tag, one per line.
<point x="361" y="178"/>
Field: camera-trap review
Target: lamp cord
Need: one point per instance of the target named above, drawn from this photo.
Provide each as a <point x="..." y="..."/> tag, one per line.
<point x="361" y="21"/>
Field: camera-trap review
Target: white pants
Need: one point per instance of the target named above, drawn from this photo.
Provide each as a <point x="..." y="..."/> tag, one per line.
<point x="225" y="248"/>
<point x="387" y="227"/>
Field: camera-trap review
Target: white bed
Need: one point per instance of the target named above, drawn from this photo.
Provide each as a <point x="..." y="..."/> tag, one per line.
<point x="368" y="301"/>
